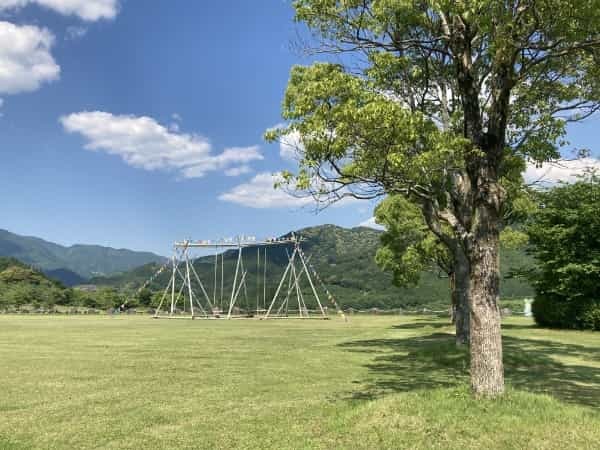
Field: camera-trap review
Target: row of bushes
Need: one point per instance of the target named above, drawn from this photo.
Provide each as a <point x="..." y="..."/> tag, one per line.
<point x="45" y="295"/>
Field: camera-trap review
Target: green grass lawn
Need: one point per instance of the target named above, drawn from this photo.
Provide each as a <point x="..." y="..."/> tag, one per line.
<point x="375" y="382"/>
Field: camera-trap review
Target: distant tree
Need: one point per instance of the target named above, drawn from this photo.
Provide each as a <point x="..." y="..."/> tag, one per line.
<point x="144" y="297"/>
<point x="61" y="296"/>
<point x="17" y="274"/>
<point x="21" y="294"/>
<point x="408" y="247"/>
<point x="95" y="301"/>
<point x="565" y="239"/>
<point x="108" y="298"/>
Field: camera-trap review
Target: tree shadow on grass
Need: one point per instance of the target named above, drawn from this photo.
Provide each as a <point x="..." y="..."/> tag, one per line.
<point x="420" y="324"/>
<point x="434" y="361"/>
<point x="516" y="326"/>
<point x="444" y="322"/>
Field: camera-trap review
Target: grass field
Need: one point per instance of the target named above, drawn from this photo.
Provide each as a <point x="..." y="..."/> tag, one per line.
<point x="376" y="382"/>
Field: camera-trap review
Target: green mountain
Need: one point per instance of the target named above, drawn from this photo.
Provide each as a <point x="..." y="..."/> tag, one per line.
<point x="74" y="264"/>
<point x="22" y="285"/>
<point x="343" y="257"/>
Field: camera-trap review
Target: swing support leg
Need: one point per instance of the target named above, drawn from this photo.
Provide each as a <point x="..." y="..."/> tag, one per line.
<point x="233" y="289"/>
<point x="287" y="269"/>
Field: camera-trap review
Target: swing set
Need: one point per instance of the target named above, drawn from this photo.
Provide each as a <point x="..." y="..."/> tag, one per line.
<point x="186" y="296"/>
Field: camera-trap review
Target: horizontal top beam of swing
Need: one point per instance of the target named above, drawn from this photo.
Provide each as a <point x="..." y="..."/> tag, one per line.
<point x="234" y="244"/>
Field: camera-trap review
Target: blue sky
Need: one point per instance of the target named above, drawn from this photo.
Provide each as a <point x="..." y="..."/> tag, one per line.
<point x="201" y="76"/>
<point x="135" y="123"/>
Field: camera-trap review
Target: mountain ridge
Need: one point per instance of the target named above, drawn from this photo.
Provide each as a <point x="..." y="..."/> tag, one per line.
<point x="64" y="262"/>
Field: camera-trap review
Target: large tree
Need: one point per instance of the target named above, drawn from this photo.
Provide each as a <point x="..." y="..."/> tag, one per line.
<point x="438" y="101"/>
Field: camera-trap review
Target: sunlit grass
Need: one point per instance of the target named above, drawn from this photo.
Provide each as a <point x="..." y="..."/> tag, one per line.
<point x="375" y="382"/>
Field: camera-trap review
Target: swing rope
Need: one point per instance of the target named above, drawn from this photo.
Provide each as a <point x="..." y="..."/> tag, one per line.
<point x="146" y="284"/>
<point x="330" y="296"/>
<point x="246" y="301"/>
<point x="222" y="274"/>
<point x="265" y="281"/>
<point x="257" y="278"/>
<point x="215" y="280"/>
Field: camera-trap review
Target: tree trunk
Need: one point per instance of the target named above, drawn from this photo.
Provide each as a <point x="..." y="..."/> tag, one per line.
<point x="461" y="297"/>
<point x="487" y="372"/>
<point x="453" y="299"/>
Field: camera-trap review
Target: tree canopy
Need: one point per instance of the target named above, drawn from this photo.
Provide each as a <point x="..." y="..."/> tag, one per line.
<point x="407" y="246"/>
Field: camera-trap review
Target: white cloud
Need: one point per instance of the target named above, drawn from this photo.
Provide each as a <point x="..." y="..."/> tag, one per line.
<point x="25" y="59"/>
<point x="235" y="155"/>
<point x="260" y="193"/>
<point x="237" y="171"/>
<point x="562" y="170"/>
<point x="143" y="143"/>
<point x="370" y="223"/>
<point x="89" y="10"/>
<point x="230" y="157"/>
<point x="75" y="32"/>
<point x="290" y="146"/>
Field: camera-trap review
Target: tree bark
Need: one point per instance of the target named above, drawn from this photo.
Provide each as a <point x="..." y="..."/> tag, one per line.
<point x="453" y="298"/>
<point x="461" y="297"/>
<point x="487" y="372"/>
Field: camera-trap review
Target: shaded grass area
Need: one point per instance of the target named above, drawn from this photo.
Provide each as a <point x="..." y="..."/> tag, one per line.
<point x="569" y="371"/>
<point x="376" y="382"/>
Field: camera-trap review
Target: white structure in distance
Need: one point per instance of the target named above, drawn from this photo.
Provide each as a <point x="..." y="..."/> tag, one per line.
<point x="527" y="307"/>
